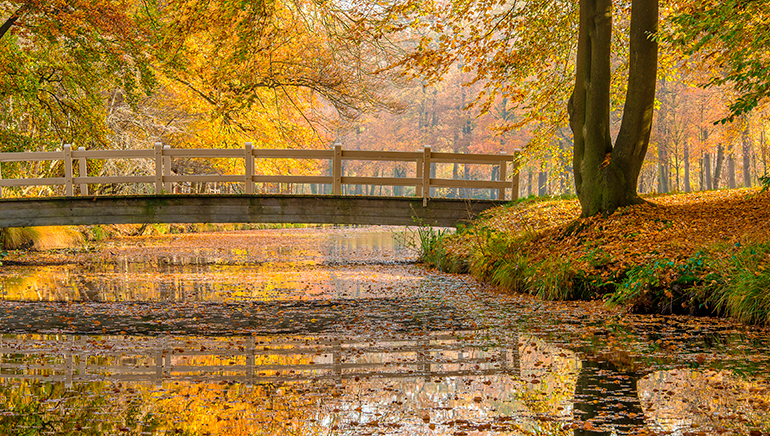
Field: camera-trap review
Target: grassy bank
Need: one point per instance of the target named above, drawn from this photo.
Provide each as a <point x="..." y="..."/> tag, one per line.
<point x="704" y="253"/>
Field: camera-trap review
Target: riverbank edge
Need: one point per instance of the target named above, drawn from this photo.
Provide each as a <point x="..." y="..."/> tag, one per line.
<point x="726" y="277"/>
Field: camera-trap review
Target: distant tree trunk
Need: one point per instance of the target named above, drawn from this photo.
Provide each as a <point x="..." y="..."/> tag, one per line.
<point x="606" y="176"/>
<point x="432" y="176"/>
<point x="731" y="170"/>
<point x="686" y="150"/>
<point x="495" y="176"/>
<point x="398" y="191"/>
<point x="455" y="174"/>
<point x="373" y="187"/>
<point x="663" y="177"/>
<point x="763" y="145"/>
<point x="529" y="182"/>
<point x="542" y="184"/>
<point x="466" y="193"/>
<point x="707" y="170"/>
<point x="718" y="166"/>
<point x="746" y="152"/>
<point x="702" y="174"/>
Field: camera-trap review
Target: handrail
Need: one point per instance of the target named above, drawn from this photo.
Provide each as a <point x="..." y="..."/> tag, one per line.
<point x="163" y="179"/>
<point x="160" y="361"/>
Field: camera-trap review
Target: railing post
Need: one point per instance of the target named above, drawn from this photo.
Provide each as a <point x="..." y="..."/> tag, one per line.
<point x="83" y="172"/>
<point x="166" y="170"/>
<point x="425" y="175"/>
<point x="68" y="170"/>
<point x="515" y="176"/>
<point x="337" y="170"/>
<point x="1" y="178"/>
<point x="248" y="181"/>
<point x="158" y="168"/>
<point x="502" y="174"/>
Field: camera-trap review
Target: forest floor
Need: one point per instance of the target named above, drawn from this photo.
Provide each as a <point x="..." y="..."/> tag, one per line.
<point x="702" y="252"/>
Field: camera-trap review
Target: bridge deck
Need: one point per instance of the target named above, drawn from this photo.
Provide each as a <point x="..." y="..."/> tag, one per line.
<point x="177" y="208"/>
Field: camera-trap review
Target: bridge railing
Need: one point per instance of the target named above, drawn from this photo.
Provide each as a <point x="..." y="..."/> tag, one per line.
<point x="162" y="179"/>
<point x="164" y="359"/>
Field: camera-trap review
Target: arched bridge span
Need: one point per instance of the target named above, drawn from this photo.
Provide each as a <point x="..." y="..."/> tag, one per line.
<point x="167" y="198"/>
<point x="238" y="209"/>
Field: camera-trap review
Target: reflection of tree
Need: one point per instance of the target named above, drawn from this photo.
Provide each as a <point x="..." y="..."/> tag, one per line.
<point x="38" y="284"/>
<point x="269" y="272"/>
<point x="709" y="401"/>
<point x="607" y="395"/>
<point x="237" y="409"/>
<point x="547" y="374"/>
<point x="36" y="407"/>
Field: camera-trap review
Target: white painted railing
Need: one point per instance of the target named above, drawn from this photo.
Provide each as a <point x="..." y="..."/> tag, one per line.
<point x="162" y="179"/>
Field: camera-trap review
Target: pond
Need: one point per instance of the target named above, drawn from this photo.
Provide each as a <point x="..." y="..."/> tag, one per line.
<point x="339" y="331"/>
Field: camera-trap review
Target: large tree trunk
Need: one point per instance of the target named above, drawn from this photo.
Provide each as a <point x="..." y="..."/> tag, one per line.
<point x="606" y="176"/>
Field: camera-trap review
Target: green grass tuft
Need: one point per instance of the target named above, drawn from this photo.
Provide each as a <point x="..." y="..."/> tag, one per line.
<point x="764" y="181"/>
<point x="743" y="292"/>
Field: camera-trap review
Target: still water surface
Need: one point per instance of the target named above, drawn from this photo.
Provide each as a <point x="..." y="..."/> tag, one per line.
<point x="338" y="331"/>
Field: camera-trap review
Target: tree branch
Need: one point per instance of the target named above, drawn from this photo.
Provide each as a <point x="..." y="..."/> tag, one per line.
<point x="12" y="20"/>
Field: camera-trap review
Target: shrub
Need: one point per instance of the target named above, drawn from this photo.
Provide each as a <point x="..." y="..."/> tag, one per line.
<point x="764" y="181"/>
<point x="664" y="286"/>
<point x="744" y="293"/>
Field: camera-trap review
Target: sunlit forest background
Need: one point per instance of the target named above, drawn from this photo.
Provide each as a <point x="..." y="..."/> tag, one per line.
<point x="125" y="74"/>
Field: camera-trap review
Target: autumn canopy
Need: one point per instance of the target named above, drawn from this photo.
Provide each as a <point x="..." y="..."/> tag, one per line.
<point x="571" y="82"/>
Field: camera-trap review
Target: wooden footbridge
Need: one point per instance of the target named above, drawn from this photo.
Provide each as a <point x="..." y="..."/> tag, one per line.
<point x="168" y="198"/>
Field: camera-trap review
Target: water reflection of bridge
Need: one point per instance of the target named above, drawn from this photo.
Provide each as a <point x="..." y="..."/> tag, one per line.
<point x="250" y="360"/>
<point x="454" y="375"/>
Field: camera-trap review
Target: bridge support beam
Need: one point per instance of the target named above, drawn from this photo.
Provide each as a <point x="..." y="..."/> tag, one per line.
<point x="238" y="209"/>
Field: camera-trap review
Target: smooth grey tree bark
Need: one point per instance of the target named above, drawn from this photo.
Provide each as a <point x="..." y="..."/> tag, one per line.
<point x="606" y="175"/>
